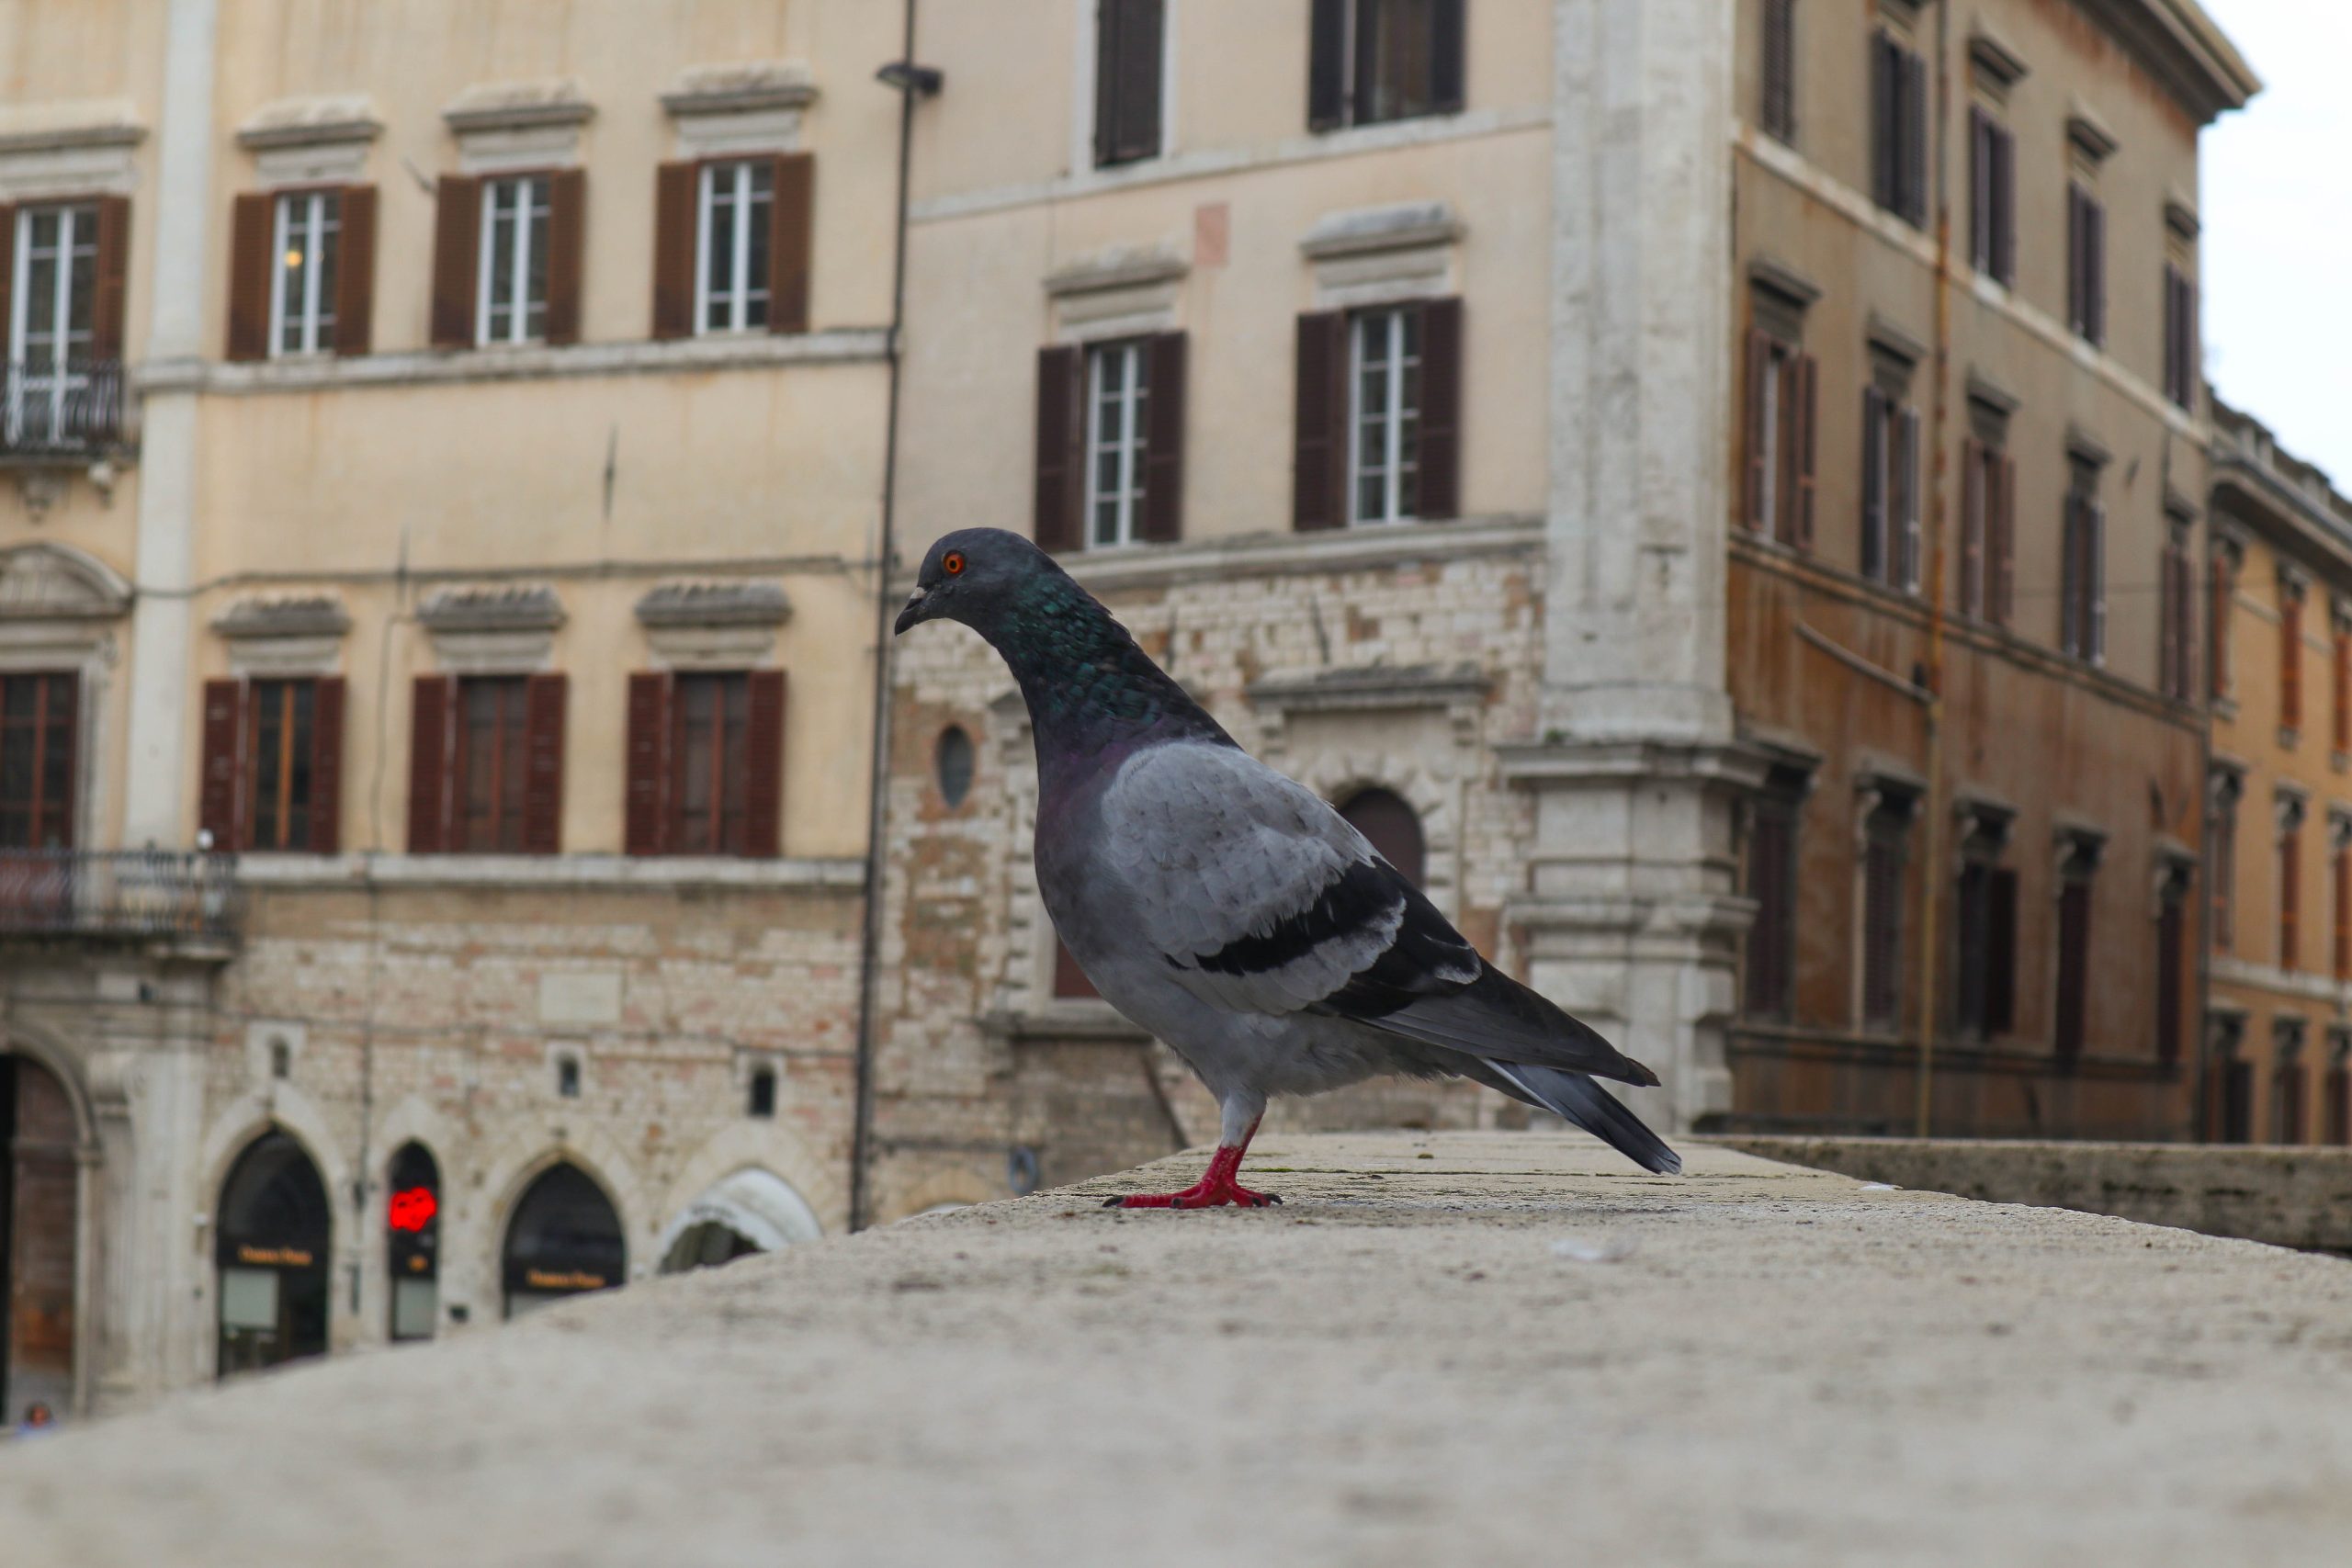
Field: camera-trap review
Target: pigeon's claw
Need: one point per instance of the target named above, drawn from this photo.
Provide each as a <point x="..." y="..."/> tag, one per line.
<point x="1213" y="1190"/>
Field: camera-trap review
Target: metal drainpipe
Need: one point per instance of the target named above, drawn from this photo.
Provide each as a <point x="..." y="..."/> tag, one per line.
<point x="885" y="558"/>
<point x="1932" y="883"/>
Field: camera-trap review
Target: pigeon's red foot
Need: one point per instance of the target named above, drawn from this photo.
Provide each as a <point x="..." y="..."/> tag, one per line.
<point x="1213" y="1190"/>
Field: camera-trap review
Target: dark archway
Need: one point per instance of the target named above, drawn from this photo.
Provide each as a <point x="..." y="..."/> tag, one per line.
<point x="1394" y="827"/>
<point x="39" y="1223"/>
<point x="276" y="1234"/>
<point x="564" y="1240"/>
<point x="412" y="1241"/>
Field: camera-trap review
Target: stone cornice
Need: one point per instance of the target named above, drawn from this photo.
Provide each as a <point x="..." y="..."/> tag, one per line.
<point x="2178" y="43"/>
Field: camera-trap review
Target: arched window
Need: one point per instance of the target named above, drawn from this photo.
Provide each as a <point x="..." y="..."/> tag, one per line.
<point x="763" y="1098"/>
<point x="1394" y="827"/>
<point x="413" y="1240"/>
<point x="274" y="1232"/>
<point x="952" y="762"/>
<point x="563" y="1240"/>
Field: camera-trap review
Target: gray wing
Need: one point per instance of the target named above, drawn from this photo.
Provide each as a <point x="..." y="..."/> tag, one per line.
<point x="1256" y="896"/>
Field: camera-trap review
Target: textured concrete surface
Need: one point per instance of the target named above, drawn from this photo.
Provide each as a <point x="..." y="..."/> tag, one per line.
<point x="1456" y="1347"/>
<point x="2286" y="1195"/>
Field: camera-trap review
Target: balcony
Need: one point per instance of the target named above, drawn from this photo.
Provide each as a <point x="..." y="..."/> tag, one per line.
<point x="71" y="416"/>
<point x="134" y="894"/>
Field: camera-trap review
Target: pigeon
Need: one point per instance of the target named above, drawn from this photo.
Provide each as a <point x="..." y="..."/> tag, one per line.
<point x="1228" y="910"/>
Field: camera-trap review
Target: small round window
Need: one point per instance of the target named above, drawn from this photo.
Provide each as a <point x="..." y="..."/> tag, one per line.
<point x="954" y="763"/>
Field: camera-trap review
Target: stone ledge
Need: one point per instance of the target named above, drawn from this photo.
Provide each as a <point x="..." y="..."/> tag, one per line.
<point x="523" y="873"/>
<point x="1442" y="1348"/>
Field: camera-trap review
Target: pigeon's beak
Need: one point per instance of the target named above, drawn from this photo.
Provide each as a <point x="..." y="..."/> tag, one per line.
<point x="917" y="611"/>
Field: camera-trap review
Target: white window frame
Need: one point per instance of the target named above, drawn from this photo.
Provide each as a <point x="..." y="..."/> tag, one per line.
<point x="1390" y="321"/>
<point x="316" y="318"/>
<point x="1776" y="357"/>
<point x="741" y="285"/>
<point x="1126" y="356"/>
<point x="62" y="380"/>
<point x="533" y="200"/>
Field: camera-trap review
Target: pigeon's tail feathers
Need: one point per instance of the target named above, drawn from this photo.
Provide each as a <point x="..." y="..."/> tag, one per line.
<point x="1498" y="1019"/>
<point x="1596" y="1110"/>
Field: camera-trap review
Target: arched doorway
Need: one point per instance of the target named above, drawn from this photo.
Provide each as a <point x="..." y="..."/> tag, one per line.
<point x="1394" y="827"/>
<point x="276" y="1232"/>
<point x="751" y="1211"/>
<point x="564" y="1240"/>
<point x="412" y="1241"/>
<point x="39" y="1216"/>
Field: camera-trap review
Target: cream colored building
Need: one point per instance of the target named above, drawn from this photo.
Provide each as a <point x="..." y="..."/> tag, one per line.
<point x="457" y="494"/>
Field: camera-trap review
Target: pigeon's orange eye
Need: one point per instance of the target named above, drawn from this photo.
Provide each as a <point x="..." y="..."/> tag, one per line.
<point x="952" y="563"/>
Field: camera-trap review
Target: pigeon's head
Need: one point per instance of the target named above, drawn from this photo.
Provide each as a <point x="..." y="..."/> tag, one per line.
<point x="971" y="576"/>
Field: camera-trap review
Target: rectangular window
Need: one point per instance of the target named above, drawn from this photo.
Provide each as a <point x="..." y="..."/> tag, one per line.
<point x="284" y="746"/>
<point x="2181" y="366"/>
<point x="2073" y="962"/>
<point x="1782" y="404"/>
<point x="2222" y="585"/>
<point x="1992" y="197"/>
<point x="1985" y="986"/>
<point x="2290" y="655"/>
<point x="2291" y="892"/>
<point x="2222" y="858"/>
<point x="1118" y="432"/>
<point x="1890" y="492"/>
<point x="2339" y="862"/>
<point x="1772" y="878"/>
<point x="52" y="326"/>
<point x="2338" y="1091"/>
<point x="2082" y="625"/>
<point x="1371" y="60"/>
<point x="39" y="721"/>
<point x="1776" y="109"/>
<point x="1882" y="927"/>
<point x="709" y="754"/>
<point x="2176" y="615"/>
<point x="1385" y="454"/>
<point x="1129" y="41"/>
<point x="1899" y="129"/>
<point x="2339" y="725"/>
<point x="2229" y="1106"/>
<point x="2287" y="1118"/>
<point x="489" y="765"/>
<point x="732" y="243"/>
<point x="1987" y="531"/>
<point x="302" y="280"/>
<point x="2172" y="966"/>
<point x="2085" y="264"/>
<point x="511" y="302"/>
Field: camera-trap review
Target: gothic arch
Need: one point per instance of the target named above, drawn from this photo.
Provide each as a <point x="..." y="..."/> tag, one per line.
<point x="763" y="1145"/>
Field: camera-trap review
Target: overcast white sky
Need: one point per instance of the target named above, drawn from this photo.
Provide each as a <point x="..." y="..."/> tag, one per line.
<point x="2277" y="204"/>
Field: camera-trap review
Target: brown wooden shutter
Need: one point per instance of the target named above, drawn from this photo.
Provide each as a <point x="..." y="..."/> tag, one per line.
<point x="2290" y="661"/>
<point x="112" y="269"/>
<point x="355" y="277"/>
<point x="1980" y="188"/>
<point x="2095" y="263"/>
<point x="1876" y="534"/>
<point x="2005" y="566"/>
<point x="2075" y="312"/>
<point x="2000" y="950"/>
<point x="2005" y="206"/>
<point x="457" y="260"/>
<point x="2217" y="626"/>
<point x="1760" y="367"/>
<point x="646" y="800"/>
<point x="2171" y="925"/>
<point x="1319" y="456"/>
<point x="543" y="704"/>
<point x="2291" y="901"/>
<point x="1128" y="80"/>
<point x="1807" y="409"/>
<point x="2074" y="960"/>
<point x="567" y="249"/>
<point x="1449" y="55"/>
<point x="221" y="790"/>
<point x="1914" y="137"/>
<point x="673" y="249"/>
<point x="1972" y="527"/>
<point x="1441" y="423"/>
<point x="431" y="763"/>
<point x="763" y="759"/>
<point x="327" y="696"/>
<point x="1327" y="66"/>
<point x="792" y="216"/>
<point x="7" y="274"/>
<point x="2168" y="624"/>
<point x="1777" y="98"/>
<point x="1057" y="514"/>
<point x="249" y="266"/>
<point x="1163" y="489"/>
<point x="2343" y="914"/>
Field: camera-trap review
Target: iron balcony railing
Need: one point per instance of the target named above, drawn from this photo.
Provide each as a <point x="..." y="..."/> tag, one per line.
<point x="117" y="892"/>
<point x="48" y="412"/>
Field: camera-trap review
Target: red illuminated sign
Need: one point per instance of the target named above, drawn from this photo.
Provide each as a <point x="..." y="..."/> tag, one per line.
<point x="413" y="1208"/>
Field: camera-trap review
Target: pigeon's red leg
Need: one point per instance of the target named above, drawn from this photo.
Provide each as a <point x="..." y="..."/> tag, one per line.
<point x="1211" y="1191"/>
